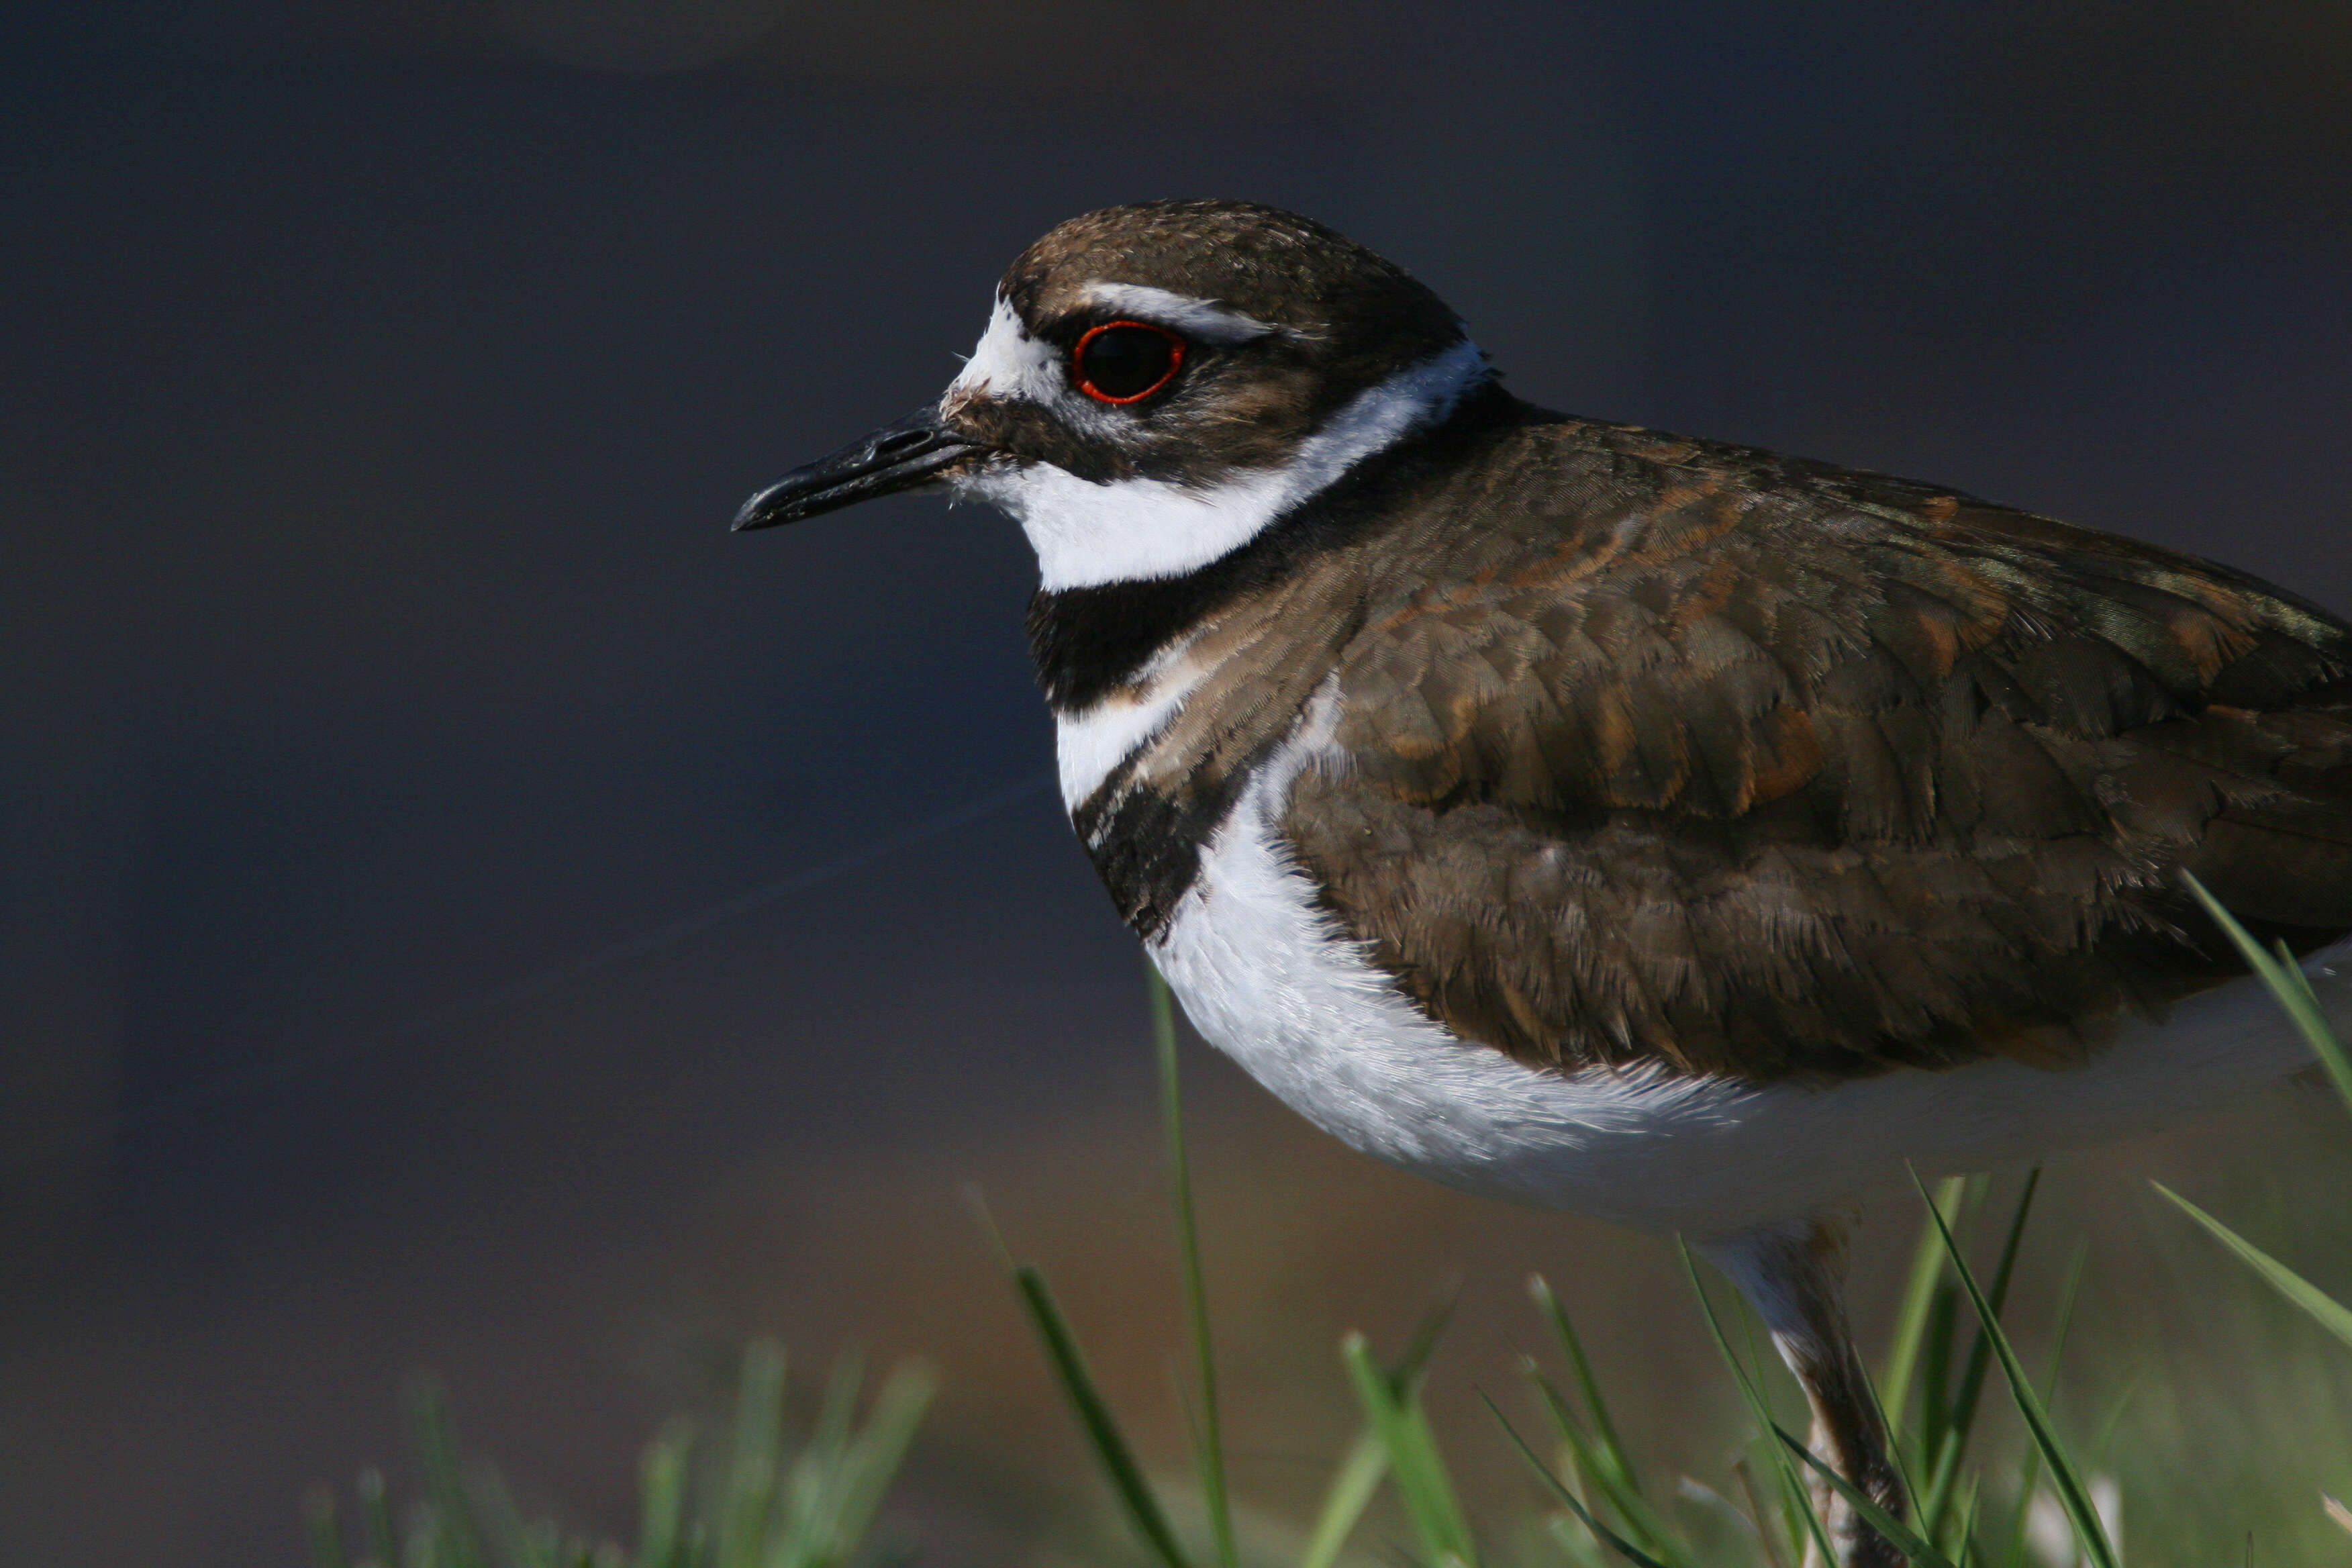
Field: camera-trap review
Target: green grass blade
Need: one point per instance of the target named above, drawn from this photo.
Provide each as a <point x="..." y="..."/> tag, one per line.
<point x="2288" y="985"/>
<point x="2029" y="1464"/>
<point x="323" y="1529"/>
<point x="1344" y="1501"/>
<point x="1746" y="1474"/>
<point x="1902" y="1536"/>
<point x="836" y="1417"/>
<point x="1911" y="1317"/>
<point x="1110" y="1449"/>
<point x="1604" y="1431"/>
<point x="2064" y="1477"/>
<point x="2004" y="1273"/>
<point x="2323" y="1309"/>
<point x="800" y="1532"/>
<point x="1689" y="1488"/>
<point x="2069" y="1295"/>
<point x="1940" y="1366"/>
<point x="1415" y="1468"/>
<point x="1210" y="1443"/>
<point x="2293" y="966"/>
<point x="2123" y="1399"/>
<point x="1579" y="1547"/>
<point x="1358" y="1478"/>
<point x="514" y="1540"/>
<point x="875" y="1455"/>
<point x="1936" y="1368"/>
<point x="453" y="1505"/>
<point x="1647" y="1530"/>
<point x="1404" y="1374"/>
<point x="1957" y="1429"/>
<point x="755" y="1460"/>
<point x="375" y="1514"/>
<point x="1800" y="1501"/>
<point x="661" y="1498"/>
<point x="1601" y="1532"/>
<point x="2029" y="1479"/>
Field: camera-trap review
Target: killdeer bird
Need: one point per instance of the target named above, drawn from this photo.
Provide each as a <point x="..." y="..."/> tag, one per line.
<point x="1653" y="827"/>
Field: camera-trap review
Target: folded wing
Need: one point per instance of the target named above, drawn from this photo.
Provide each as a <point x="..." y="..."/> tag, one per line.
<point x="1741" y="765"/>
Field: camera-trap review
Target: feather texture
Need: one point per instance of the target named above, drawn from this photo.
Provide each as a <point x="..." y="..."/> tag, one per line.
<point x="1653" y="750"/>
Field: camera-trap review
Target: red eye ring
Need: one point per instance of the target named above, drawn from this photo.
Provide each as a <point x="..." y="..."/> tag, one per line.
<point x="1078" y="360"/>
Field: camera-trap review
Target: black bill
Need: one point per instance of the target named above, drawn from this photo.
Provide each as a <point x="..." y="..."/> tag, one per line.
<point x="896" y="458"/>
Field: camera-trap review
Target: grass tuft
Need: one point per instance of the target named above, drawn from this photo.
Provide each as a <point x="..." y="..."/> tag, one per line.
<point x="765" y="1504"/>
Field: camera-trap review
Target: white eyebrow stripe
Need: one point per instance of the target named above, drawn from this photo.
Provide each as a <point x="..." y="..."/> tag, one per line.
<point x="1203" y="319"/>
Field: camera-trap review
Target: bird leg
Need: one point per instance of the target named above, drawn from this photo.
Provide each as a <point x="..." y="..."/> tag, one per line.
<point x="1791" y="1274"/>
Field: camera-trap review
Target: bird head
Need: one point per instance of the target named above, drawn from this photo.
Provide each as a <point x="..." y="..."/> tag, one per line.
<point x="1157" y="382"/>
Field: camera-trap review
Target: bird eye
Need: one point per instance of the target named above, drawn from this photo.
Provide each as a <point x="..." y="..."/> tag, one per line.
<point x="1126" y="361"/>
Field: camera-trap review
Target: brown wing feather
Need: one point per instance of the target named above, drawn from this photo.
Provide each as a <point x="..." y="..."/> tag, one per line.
<point x="1743" y="765"/>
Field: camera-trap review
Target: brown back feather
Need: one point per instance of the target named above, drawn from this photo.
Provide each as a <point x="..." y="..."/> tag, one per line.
<point x="1675" y="752"/>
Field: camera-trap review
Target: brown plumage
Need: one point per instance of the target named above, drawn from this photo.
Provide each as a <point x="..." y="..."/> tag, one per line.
<point x="1671" y="750"/>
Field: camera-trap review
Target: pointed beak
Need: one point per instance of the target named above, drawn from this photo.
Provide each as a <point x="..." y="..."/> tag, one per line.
<point x="900" y="457"/>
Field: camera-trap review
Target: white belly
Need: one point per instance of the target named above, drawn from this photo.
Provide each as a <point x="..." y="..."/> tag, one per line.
<point x="1266" y="980"/>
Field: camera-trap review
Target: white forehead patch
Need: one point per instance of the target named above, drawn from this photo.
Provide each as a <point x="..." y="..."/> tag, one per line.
<point x="1202" y="318"/>
<point x="1008" y="364"/>
<point x="1087" y="534"/>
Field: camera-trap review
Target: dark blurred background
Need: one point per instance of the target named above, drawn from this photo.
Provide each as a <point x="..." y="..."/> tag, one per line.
<point x="382" y="689"/>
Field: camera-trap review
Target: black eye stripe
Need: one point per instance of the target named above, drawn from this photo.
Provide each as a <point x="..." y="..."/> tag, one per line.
<point x="1126" y="361"/>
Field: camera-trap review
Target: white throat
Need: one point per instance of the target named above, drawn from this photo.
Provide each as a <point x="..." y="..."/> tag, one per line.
<point x="1087" y="534"/>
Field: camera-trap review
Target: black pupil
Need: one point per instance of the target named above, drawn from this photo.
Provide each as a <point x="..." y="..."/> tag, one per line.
<point x="1126" y="361"/>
